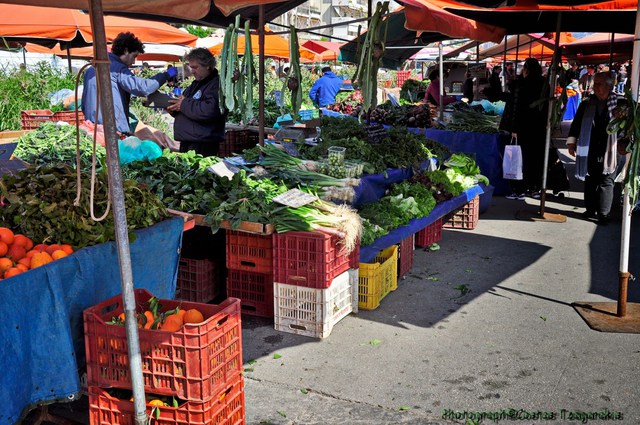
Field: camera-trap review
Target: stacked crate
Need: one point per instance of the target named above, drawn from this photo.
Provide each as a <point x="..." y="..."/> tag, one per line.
<point x="376" y="280"/>
<point x="465" y="217"/>
<point x="313" y="284"/>
<point x="430" y="234"/>
<point x="199" y="269"/>
<point x="405" y="256"/>
<point x="235" y="141"/>
<point x="197" y="367"/>
<point x="250" y="271"/>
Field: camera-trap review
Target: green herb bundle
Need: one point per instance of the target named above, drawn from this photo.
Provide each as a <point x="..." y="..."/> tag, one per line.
<point x="39" y="202"/>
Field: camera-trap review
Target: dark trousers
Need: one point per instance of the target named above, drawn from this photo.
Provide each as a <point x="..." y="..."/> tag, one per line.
<point x="204" y="149"/>
<point x="598" y="193"/>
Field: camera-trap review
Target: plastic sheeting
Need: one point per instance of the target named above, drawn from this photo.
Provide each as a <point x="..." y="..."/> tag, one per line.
<point x="42" y="332"/>
<point x="368" y="253"/>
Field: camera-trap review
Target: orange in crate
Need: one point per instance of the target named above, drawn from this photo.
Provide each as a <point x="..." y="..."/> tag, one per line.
<point x="193" y="363"/>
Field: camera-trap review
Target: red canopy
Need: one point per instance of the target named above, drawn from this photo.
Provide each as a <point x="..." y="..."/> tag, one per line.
<point x="42" y="24"/>
<point x="424" y="15"/>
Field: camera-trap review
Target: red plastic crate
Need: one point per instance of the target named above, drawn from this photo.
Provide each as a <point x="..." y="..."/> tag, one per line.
<point x="249" y="252"/>
<point x="430" y="234"/>
<point x="33" y="118"/>
<point x="197" y="280"/>
<point x="354" y="257"/>
<point x="226" y="408"/>
<point x="235" y="141"/>
<point x="401" y="77"/>
<point x="466" y="217"/>
<point x="405" y="256"/>
<point x="68" y="116"/>
<point x="309" y="259"/>
<point x="193" y="363"/>
<point x="255" y="291"/>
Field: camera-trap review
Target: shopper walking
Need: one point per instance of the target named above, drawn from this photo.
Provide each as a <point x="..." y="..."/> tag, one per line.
<point x="525" y="118"/>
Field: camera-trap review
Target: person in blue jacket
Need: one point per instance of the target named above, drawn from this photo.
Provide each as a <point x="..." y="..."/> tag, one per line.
<point x="125" y="49"/>
<point x="199" y="122"/>
<point x="325" y="88"/>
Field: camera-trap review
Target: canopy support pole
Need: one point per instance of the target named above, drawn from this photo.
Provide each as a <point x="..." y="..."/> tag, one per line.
<point x="261" y="74"/>
<point x="116" y="193"/>
<point x="441" y="78"/>
<point x="69" y="59"/>
<point x="605" y="316"/>
<point x="613" y="37"/>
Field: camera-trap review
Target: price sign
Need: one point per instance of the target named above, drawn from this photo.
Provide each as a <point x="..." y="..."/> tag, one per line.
<point x="223" y="169"/>
<point x="295" y="198"/>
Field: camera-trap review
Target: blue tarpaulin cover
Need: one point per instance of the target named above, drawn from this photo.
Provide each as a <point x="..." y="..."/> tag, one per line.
<point x="42" y="334"/>
<point x="368" y="253"/>
<point x="487" y="148"/>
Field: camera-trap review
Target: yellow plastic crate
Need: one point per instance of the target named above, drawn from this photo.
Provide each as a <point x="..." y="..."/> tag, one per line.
<point x="377" y="279"/>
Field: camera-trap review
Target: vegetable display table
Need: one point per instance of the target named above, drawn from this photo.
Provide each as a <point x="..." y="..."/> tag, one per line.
<point x="486" y="147"/>
<point x="42" y="329"/>
<point x="368" y="253"/>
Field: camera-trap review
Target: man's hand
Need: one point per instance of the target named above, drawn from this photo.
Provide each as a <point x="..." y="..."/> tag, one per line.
<point x="172" y="72"/>
<point x="572" y="149"/>
<point x="175" y="104"/>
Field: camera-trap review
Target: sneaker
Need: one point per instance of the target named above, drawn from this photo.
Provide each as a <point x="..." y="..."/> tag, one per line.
<point x="518" y="196"/>
<point x="536" y="195"/>
<point x="603" y="220"/>
<point x="589" y="214"/>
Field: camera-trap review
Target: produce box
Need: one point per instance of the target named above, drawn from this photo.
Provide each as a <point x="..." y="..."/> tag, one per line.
<point x="405" y="256"/>
<point x="353" y="281"/>
<point x="377" y="279"/>
<point x="312" y="312"/>
<point x="197" y="280"/>
<point x="308" y="259"/>
<point x="252" y="253"/>
<point x="194" y="363"/>
<point x="31" y="119"/>
<point x="235" y="141"/>
<point x="10" y="136"/>
<point x="227" y="407"/>
<point x="430" y="234"/>
<point x="255" y="291"/>
<point x="466" y="217"/>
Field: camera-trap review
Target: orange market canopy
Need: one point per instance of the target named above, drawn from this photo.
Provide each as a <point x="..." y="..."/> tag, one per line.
<point x="69" y="27"/>
<point x="327" y="50"/>
<point x="274" y="47"/>
<point x="597" y="46"/>
<point x="526" y="45"/>
<point x="153" y="52"/>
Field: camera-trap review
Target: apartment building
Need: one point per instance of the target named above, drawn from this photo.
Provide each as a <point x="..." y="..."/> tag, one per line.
<point x="313" y="13"/>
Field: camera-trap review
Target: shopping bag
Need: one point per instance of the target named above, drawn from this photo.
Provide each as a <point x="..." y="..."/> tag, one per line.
<point x="512" y="161"/>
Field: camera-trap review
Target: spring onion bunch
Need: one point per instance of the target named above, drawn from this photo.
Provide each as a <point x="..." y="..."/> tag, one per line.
<point x="340" y="220"/>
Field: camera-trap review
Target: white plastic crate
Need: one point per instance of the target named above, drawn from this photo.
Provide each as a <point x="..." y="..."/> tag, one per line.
<point x="309" y="311"/>
<point x="353" y="281"/>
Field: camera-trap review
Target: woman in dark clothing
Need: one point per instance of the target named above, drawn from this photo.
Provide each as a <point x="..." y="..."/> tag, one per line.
<point x="527" y="122"/>
<point x="494" y="90"/>
<point x="199" y="123"/>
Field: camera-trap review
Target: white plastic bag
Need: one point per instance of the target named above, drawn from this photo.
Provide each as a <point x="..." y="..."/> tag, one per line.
<point x="512" y="161"/>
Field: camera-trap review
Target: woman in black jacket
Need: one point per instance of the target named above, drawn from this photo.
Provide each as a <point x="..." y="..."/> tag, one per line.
<point x="199" y="123"/>
<point x="526" y="119"/>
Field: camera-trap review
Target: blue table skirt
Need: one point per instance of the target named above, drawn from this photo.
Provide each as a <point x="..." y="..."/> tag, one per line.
<point x="368" y="253"/>
<point x="42" y="334"/>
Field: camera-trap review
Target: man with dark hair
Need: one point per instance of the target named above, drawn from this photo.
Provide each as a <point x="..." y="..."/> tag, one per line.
<point x="324" y="90"/>
<point x="199" y="121"/>
<point x="586" y="82"/>
<point x="125" y="49"/>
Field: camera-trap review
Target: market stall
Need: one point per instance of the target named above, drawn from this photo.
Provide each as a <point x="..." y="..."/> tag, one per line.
<point x="43" y="338"/>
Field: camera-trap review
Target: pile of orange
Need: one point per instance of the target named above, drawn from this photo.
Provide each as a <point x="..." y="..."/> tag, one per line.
<point x="18" y="253"/>
<point x="170" y="322"/>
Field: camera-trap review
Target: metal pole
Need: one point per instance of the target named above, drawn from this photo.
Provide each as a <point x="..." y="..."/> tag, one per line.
<point x="69" y="59"/>
<point x="116" y="192"/>
<point x="552" y="91"/>
<point x="623" y="274"/>
<point x="441" y="78"/>
<point x="261" y="75"/>
<point x="613" y="37"/>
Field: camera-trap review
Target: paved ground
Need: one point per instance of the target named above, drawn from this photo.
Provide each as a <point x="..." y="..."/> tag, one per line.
<point x="485" y="324"/>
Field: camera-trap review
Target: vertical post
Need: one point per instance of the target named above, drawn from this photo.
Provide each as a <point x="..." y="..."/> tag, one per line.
<point x="613" y="38"/>
<point x="504" y="64"/>
<point x="116" y="192"/>
<point x="441" y="78"/>
<point x="69" y="59"/>
<point x="552" y="92"/>
<point x="261" y="74"/>
<point x="623" y="274"/>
